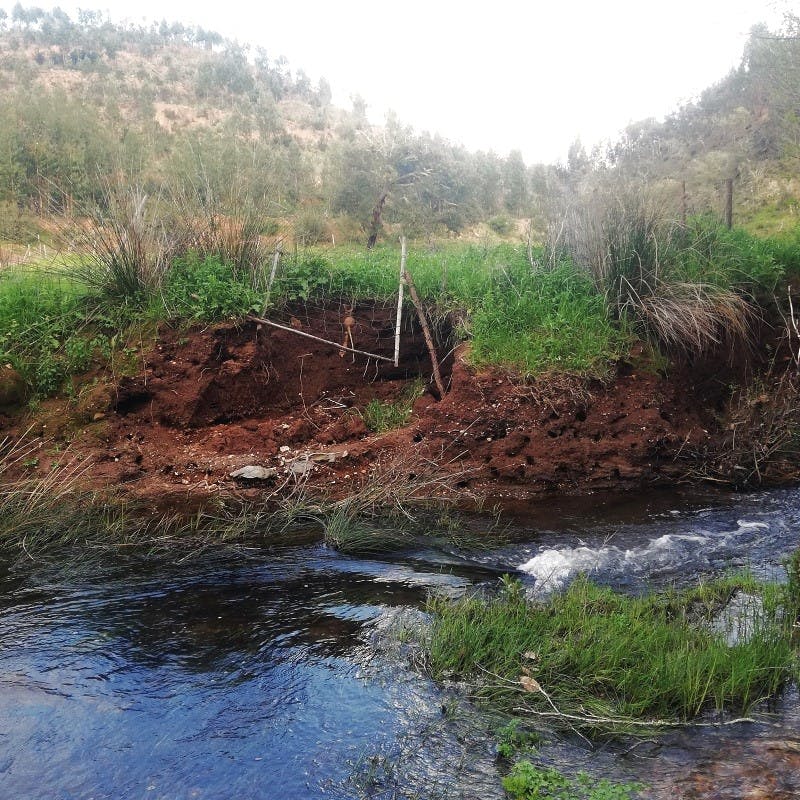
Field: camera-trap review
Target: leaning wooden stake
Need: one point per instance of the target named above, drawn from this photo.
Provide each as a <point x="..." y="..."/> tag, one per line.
<point x="412" y="290"/>
<point x="399" y="317"/>
<point x="729" y="203"/>
<point x="683" y="204"/>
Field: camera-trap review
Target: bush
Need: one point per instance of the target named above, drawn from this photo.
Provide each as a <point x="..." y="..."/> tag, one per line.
<point x="310" y="227"/>
<point x="15" y="226"/>
<point x="502" y="226"/>
<point x="207" y="289"/>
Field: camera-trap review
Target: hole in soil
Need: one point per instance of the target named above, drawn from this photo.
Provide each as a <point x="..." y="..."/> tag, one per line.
<point x="131" y="398"/>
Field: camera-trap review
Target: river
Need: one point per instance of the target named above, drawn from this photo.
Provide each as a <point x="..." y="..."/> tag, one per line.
<point x="287" y="670"/>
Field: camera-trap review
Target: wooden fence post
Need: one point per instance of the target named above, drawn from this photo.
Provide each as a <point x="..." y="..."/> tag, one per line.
<point x="729" y="203"/>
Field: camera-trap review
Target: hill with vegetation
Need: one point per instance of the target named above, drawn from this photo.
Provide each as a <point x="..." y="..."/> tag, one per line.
<point x="178" y="110"/>
<point x="169" y="107"/>
<point x="745" y="128"/>
<point x="213" y="303"/>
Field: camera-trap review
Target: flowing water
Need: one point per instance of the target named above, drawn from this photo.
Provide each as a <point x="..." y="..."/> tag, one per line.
<point x="287" y="671"/>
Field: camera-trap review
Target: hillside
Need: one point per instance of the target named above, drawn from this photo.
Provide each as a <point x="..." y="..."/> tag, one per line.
<point x="745" y="128"/>
<point x="181" y="111"/>
<point x="176" y="107"/>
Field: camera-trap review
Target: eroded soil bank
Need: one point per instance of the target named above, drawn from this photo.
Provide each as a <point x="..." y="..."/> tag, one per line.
<point x="205" y="402"/>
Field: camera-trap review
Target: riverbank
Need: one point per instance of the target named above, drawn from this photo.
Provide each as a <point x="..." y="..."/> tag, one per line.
<point x="206" y="403"/>
<point x="554" y="377"/>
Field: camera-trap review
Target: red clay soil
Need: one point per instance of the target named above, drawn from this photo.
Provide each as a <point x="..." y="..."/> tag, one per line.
<point x="209" y="401"/>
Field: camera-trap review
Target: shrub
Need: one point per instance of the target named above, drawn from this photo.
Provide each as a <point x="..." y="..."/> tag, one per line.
<point x="501" y="225"/>
<point x="206" y="288"/>
<point x="310" y="227"/>
<point x="233" y="239"/>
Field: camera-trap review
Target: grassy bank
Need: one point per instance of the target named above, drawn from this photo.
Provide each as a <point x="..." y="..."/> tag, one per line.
<point x="597" y="659"/>
<point x="701" y="287"/>
<point x="694" y="294"/>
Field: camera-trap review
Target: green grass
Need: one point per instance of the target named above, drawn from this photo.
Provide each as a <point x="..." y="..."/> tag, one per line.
<point x="597" y="653"/>
<point x="48" y="331"/>
<point x="453" y="274"/>
<point x="707" y="252"/>
<point x="58" y="323"/>
<point x="528" y="321"/>
<point x="205" y="289"/>
<point x="381" y="416"/>
<point x="551" y="321"/>
<point x="529" y="782"/>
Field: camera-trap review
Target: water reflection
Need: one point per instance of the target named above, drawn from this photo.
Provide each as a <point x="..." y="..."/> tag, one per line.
<point x="234" y="678"/>
<point x="268" y="673"/>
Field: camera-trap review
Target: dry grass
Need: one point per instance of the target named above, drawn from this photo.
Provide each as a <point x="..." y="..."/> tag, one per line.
<point x="761" y="441"/>
<point x="686" y="317"/>
<point x="236" y="240"/>
<point x="32" y="506"/>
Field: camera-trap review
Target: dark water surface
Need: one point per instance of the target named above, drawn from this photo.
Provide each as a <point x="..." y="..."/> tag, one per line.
<point x="281" y="672"/>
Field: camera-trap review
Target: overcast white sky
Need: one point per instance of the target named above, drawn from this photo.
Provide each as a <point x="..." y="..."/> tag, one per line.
<point x="500" y="75"/>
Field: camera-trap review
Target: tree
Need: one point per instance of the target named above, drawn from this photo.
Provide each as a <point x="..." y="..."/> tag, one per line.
<point x="515" y="184"/>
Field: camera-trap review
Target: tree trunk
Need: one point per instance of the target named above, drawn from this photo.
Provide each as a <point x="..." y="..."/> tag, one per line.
<point x="375" y="225"/>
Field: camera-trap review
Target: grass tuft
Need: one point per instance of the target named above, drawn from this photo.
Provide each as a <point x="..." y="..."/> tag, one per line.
<point x="127" y="247"/>
<point x="382" y="416"/>
<point x="605" y="658"/>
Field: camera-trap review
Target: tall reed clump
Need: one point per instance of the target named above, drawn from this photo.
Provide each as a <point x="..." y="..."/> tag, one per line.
<point x="599" y="660"/>
<point x="643" y="263"/>
<point x="127" y="244"/>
